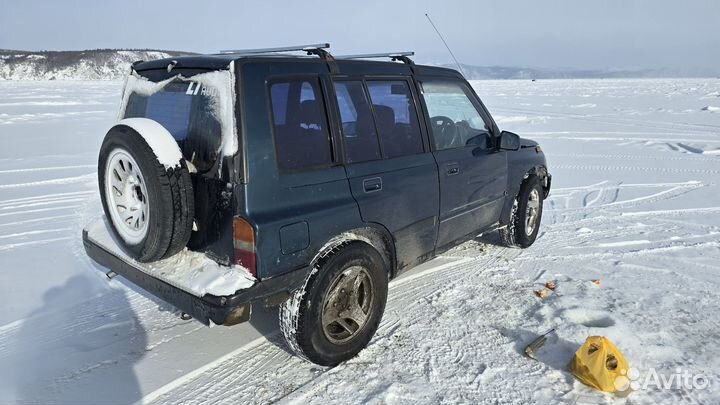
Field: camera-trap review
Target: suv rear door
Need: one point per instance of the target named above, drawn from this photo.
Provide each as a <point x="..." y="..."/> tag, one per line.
<point x="472" y="172"/>
<point x="392" y="175"/>
<point x="296" y="192"/>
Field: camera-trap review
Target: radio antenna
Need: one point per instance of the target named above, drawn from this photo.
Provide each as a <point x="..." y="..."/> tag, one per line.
<point x="446" y="44"/>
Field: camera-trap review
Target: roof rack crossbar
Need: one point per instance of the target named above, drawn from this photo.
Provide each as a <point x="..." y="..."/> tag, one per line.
<point x="305" y="48"/>
<point x="403" y="57"/>
<point x="392" y="55"/>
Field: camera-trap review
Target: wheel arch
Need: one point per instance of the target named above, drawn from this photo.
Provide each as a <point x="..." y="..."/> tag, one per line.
<point x="514" y="186"/>
<point x="374" y="235"/>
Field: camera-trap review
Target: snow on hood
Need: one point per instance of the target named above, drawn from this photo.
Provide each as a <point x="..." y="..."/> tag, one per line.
<point x="221" y="81"/>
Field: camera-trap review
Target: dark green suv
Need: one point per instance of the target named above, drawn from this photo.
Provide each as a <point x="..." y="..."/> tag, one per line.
<point x="262" y="178"/>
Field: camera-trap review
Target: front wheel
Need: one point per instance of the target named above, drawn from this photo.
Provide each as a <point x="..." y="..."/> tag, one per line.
<point x="336" y="313"/>
<point x="523" y="224"/>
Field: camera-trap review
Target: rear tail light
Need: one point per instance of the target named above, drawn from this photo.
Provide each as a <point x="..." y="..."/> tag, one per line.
<point x="244" y="242"/>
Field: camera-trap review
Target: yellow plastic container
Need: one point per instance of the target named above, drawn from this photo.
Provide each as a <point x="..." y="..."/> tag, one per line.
<point x="598" y="363"/>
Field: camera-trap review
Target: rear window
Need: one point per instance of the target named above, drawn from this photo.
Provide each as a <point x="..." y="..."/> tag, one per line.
<point x="188" y="111"/>
<point x="302" y="138"/>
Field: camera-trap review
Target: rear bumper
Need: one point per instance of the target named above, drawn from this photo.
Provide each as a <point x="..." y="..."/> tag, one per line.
<point x="221" y="310"/>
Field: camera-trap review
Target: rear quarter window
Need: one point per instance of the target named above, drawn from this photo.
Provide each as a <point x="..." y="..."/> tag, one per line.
<point x="300" y="125"/>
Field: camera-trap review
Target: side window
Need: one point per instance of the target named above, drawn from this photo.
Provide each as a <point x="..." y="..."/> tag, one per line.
<point x="396" y="117"/>
<point x="358" y="128"/>
<point x="454" y="119"/>
<point x="300" y="124"/>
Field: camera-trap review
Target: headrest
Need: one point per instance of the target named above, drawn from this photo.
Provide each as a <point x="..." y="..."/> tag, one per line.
<point x="310" y="112"/>
<point x="385" y="116"/>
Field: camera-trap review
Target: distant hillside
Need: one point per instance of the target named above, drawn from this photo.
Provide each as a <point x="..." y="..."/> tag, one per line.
<point x="502" y="72"/>
<point x="112" y="64"/>
<point x="97" y="64"/>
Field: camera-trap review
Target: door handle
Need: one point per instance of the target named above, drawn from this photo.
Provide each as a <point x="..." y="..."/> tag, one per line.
<point x="372" y="185"/>
<point x="452" y="169"/>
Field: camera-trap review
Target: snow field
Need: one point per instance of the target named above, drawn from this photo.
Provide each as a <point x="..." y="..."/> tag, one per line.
<point x="634" y="204"/>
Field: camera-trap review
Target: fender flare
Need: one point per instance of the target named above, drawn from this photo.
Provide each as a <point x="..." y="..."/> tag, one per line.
<point x="514" y="189"/>
<point x="373" y="234"/>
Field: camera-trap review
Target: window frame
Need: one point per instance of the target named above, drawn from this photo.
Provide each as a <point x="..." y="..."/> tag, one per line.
<point x="474" y="100"/>
<point x="324" y="97"/>
<point x="416" y="99"/>
<point x="336" y="108"/>
<point x="413" y="99"/>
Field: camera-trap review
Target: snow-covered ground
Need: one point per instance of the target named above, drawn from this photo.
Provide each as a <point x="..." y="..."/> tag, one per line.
<point x="635" y="204"/>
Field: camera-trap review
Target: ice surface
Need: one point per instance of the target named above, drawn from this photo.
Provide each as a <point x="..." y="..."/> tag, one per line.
<point x="634" y="204"/>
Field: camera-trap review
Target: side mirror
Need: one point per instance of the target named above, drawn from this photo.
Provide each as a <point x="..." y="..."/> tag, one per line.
<point x="509" y="141"/>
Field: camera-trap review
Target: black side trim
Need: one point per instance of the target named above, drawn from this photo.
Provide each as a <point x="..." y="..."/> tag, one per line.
<point x="549" y="184"/>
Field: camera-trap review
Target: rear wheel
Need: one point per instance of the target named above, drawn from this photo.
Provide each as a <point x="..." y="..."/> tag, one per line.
<point x="525" y="215"/>
<point x="149" y="207"/>
<point x="336" y="313"/>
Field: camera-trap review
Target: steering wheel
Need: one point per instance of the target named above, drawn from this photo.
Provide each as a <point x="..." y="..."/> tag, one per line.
<point x="445" y="130"/>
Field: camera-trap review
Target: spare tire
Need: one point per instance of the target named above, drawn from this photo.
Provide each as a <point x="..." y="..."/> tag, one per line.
<point x="148" y="203"/>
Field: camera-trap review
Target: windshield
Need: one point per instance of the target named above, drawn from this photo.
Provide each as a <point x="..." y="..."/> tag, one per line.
<point x="195" y="111"/>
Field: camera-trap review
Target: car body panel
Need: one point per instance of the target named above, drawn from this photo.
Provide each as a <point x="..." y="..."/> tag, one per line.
<point x="472" y="191"/>
<point x="409" y="207"/>
<point x="401" y="194"/>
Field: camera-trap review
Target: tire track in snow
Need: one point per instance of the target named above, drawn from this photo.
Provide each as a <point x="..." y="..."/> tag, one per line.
<point x="567" y="207"/>
<point x="636" y="137"/>
<point x="685" y="157"/>
<point x="601" y="118"/>
<point x="565" y="235"/>
<point x="44" y="169"/>
<point x="228" y="381"/>
<point x="42" y="203"/>
<point x="29" y="233"/>
<point x="460" y="358"/>
<point x="628" y="139"/>
<point x="669" y="262"/>
<point x="55" y="219"/>
<point x="264" y="372"/>
<point x="635" y="169"/>
<point x="607" y="183"/>
<point x="25" y="212"/>
<point x="85" y="178"/>
<point x="48" y="197"/>
<point x="12" y="246"/>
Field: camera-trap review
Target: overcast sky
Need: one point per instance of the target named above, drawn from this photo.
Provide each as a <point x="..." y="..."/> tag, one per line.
<point x="597" y="34"/>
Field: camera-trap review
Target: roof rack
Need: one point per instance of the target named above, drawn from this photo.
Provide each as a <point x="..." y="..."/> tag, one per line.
<point x="312" y="48"/>
<point x="394" y="56"/>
